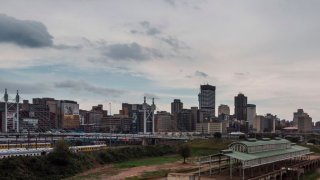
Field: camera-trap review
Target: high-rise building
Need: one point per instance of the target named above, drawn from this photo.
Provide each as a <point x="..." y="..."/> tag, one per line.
<point x="265" y="123"/>
<point x="240" y="107"/>
<point x="42" y="113"/>
<point x="251" y="114"/>
<point x="207" y="101"/>
<point x="163" y="122"/>
<point x="194" y="120"/>
<point x="69" y="114"/>
<point x="96" y="114"/>
<point x="223" y="109"/>
<point x="116" y="124"/>
<point x="41" y="110"/>
<point x="135" y="111"/>
<point x="184" y="120"/>
<point x="302" y="120"/>
<point x="176" y="106"/>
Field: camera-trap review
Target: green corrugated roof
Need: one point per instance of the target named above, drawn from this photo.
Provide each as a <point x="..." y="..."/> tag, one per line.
<point x="259" y="142"/>
<point x="245" y="157"/>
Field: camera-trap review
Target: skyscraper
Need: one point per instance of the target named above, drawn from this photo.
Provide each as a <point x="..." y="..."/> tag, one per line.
<point x="207" y="99"/>
<point x="251" y="114"/>
<point x="184" y="120"/>
<point x="176" y="106"/>
<point x="223" y="109"/>
<point x="302" y="120"/>
<point x="240" y="107"/>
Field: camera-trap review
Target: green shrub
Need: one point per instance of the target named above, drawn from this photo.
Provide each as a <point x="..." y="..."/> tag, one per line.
<point x="62" y="163"/>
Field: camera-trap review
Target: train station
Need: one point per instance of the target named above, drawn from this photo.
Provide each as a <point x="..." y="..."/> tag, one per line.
<point x="253" y="159"/>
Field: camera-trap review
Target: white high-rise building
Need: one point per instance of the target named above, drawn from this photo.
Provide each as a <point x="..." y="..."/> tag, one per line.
<point x="251" y="114"/>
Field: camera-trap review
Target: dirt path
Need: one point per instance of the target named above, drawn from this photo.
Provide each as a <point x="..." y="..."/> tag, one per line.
<point x="111" y="173"/>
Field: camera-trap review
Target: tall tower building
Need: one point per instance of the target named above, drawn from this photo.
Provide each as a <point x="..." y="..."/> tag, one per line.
<point x="251" y="114"/>
<point x="240" y="107"/>
<point x="302" y="120"/>
<point x="176" y="106"/>
<point x="223" y="109"/>
<point x="207" y="98"/>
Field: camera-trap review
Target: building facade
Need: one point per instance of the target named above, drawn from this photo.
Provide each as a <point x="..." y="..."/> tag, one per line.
<point x="240" y="107"/>
<point x="265" y="123"/>
<point x="211" y="127"/>
<point x="251" y="114"/>
<point x="163" y="122"/>
<point x="207" y="99"/>
<point x="176" y="106"/>
<point x="223" y="109"/>
<point x="302" y="121"/>
<point x="184" y="120"/>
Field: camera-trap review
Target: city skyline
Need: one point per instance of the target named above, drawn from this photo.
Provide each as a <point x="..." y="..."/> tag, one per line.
<point x="93" y="55"/>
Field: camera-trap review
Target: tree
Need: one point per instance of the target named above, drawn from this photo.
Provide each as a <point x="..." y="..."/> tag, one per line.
<point x="217" y="135"/>
<point x="184" y="151"/>
<point x="61" y="154"/>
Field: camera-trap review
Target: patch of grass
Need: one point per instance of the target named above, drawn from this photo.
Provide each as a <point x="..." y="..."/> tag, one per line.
<point x="314" y="175"/>
<point x="313" y="148"/>
<point x="203" y="147"/>
<point x="148" y="161"/>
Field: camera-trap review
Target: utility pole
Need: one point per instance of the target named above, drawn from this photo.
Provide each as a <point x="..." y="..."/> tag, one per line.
<point x="17" y="101"/>
<point x="153" y="107"/>
<point x="144" y="116"/>
<point x="6" y="111"/>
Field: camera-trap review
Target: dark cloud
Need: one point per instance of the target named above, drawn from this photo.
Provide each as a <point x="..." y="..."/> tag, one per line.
<point x="151" y="95"/>
<point x="155" y="32"/>
<point x="147" y="29"/>
<point x="200" y="74"/>
<point x="65" y="46"/>
<point x="132" y="51"/>
<point x="24" y="32"/>
<point x="170" y="2"/>
<point x="85" y="86"/>
<point x="134" y="31"/>
<point x="145" y="24"/>
<point x="24" y="88"/>
<point x="174" y="43"/>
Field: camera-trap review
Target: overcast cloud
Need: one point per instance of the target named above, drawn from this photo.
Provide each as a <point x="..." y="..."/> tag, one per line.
<point x="268" y="50"/>
<point x="82" y="85"/>
<point x="27" y="33"/>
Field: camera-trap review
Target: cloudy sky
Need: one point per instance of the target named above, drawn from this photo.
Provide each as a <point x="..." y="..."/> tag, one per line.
<point x="102" y="51"/>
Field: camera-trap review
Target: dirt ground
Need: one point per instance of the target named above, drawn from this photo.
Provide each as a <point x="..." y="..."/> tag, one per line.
<point x="111" y="173"/>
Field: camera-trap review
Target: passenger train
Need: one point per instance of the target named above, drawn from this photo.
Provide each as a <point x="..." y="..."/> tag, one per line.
<point x="25" y="145"/>
<point x="5" y="153"/>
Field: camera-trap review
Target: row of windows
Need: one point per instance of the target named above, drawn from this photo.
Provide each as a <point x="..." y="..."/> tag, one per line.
<point x="16" y="155"/>
<point x="88" y="149"/>
<point x="41" y="145"/>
